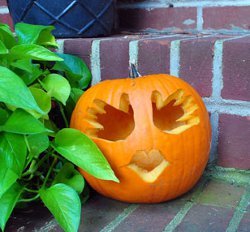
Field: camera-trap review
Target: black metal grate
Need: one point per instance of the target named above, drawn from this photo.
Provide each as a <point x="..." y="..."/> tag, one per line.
<point x="67" y="17"/>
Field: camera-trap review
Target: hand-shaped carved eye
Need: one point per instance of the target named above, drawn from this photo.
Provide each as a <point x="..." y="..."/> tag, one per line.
<point x="175" y="114"/>
<point x="110" y="123"/>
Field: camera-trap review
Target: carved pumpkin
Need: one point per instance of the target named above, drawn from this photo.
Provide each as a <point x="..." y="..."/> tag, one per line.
<point x="153" y="130"/>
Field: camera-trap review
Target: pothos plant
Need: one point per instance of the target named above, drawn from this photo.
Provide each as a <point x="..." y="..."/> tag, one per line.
<point x="38" y="90"/>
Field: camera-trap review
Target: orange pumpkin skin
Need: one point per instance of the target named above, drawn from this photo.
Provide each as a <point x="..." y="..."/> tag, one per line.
<point x="165" y="150"/>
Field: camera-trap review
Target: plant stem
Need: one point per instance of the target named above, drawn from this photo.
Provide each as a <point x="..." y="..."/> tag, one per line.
<point x="30" y="190"/>
<point x="30" y="199"/>
<point x="63" y="115"/>
<point x="49" y="172"/>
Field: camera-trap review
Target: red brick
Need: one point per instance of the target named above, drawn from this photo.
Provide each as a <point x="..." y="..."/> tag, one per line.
<point x="158" y="19"/>
<point x="206" y="218"/>
<point x="3" y="3"/>
<point x="80" y="48"/>
<point x="5" y="18"/>
<point x="234" y="146"/>
<point x="226" y="17"/>
<point x="221" y="194"/>
<point x="99" y="212"/>
<point x="114" y="55"/>
<point x="154" y="55"/>
<point x="150" y="218"/>
<point x="196" y="63"/>
<point x="245" y="223"/>
<point x="236" y="69"/>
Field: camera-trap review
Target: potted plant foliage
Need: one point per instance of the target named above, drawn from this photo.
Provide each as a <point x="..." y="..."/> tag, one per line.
<point x="38" y="90"/>
<point x="71" y="18"/>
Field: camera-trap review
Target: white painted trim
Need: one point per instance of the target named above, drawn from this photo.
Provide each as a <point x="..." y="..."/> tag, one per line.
<point x="95" y="62"/>
<point x="154" y="5"/>
<point x="4" y="10"/>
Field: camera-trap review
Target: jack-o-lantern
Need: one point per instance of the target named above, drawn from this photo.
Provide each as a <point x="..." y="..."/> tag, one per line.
<point x="153" y="130"/>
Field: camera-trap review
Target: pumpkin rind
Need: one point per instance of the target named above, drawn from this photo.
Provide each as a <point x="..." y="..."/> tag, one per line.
<point x="184" y="145"/>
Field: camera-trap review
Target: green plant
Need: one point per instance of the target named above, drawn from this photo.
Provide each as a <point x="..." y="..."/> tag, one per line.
<point x="38" y="90"/>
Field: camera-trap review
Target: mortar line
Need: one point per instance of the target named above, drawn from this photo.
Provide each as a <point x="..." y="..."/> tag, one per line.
<point x="4" y="10"/>
<point x="217" y="80"/>
<point x="175" y="57"/>
<point x="239" y="213"/>
<point x="200" y="18"/>
<point x="215" y="137"/>
<point x="223" y="106"/>
<point x="126" y="212"/>
<point x="60" y="43"/>
<point x="133" y="53"/>
<point x="185" y="209"/>
<point x="150" y="5"/>
<point x="230" y="175"/>
<point x="95" y="62"/>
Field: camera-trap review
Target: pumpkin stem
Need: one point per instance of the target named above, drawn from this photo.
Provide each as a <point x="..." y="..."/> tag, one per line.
<point x="133" y="71"/>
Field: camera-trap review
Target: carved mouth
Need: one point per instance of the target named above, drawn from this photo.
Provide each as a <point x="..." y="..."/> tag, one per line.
<point x="148" y="165"/>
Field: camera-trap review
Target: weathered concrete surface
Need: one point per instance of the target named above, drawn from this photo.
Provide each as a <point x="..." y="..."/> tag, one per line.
<point x="219" y="202"/>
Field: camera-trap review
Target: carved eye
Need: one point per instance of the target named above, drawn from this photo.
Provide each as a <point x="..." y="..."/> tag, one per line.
<point x="174" y="114"/>
<point x="110" y="123"/>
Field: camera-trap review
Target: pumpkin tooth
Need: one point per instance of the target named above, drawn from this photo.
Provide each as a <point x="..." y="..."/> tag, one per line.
<point x="185" y="117"/>
<point x="124" y="103"/>
<point x="149" y="176"/>
<point x="194" y="121"/>
<point x="94" y="124"/>
<point x="188" y="114"/>
<point x="91" y="132"/>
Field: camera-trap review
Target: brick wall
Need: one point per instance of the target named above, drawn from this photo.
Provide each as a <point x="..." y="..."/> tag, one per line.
<point x="217" y="66"/>
<point x="4" y="13"/>
<point x="189" y="16"/>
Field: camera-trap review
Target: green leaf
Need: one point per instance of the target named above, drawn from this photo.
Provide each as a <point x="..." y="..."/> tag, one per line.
<point x="8" y="202"/>
<point x="21" y="122"/>
<point x="83" y="152"/>
<point x="57" y="86"/>
<point x="28" y="71"/>
<point x="3" y="49"/>
<point x="35" y="34"/>
<point x="38" y="143"/>
<point x="75" y="69"/>
<point x="43" y="100"/>
<point x="3" y="116"/>
<point x="64" y="203"/>
<point x="13" y="152"/>
<point x="76" y="94"/>
<point x="13" y="91"/>
<point x="72" y="100"/>
<point x="34" y="52"/>
<point x="6" y="36"/>
<point x="7" y="179"/>
<point x="71" y="177"/>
